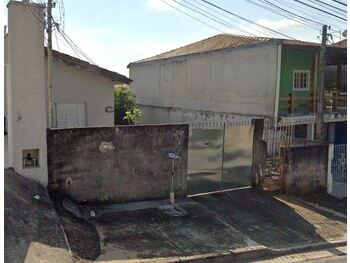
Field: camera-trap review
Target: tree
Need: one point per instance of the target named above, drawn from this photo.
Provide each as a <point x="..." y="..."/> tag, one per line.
<point x="126" y="110"/>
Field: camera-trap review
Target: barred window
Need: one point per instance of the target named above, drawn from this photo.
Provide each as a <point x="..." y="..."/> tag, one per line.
<point x="301" y="79"/>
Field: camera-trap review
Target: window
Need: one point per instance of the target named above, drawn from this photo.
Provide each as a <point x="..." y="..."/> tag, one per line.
<point x="71" y="115"/>
<point x="301" y="79"/>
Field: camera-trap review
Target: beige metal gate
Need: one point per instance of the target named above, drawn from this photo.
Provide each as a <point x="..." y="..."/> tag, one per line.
<point x="219" y="157"/>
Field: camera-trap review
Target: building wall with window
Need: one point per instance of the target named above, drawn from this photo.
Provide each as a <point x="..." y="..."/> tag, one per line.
<point x="76" y="90"/>
<point x="296" y="64"/>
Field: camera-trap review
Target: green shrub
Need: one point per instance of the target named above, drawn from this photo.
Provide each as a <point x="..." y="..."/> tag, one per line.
<point x="126" y="110"/>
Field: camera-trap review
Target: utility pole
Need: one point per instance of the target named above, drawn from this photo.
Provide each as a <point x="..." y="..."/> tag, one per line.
<point x="320" y="131"/>
<point x="49" y="62"/>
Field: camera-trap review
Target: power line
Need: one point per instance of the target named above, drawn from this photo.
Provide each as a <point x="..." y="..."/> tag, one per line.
<point x="192" y="17"/>
<point x="289" y="16"/>
<point x="226" y="16"/>
<point x="321" y="10"/>
<point x="245" y="19"/>
<point x="323" y="4"/>
<point x="339" y="2"/>
<point x="216" y="18"/>
<point x="308" y="12"/>
<point x="293" y="14"/>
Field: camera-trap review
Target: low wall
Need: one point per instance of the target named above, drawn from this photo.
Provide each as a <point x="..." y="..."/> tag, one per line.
<point x="305" y="169"/>
<point x="117" y="164"/>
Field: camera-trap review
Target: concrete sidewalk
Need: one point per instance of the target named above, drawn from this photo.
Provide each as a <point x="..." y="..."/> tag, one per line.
<point x="215" y="224"/>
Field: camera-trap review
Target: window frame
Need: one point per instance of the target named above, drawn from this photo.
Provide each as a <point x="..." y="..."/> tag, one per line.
<point x="307" y="79"/>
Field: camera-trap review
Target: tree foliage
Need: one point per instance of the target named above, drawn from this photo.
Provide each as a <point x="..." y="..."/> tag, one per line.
<point x="126" y="110"/>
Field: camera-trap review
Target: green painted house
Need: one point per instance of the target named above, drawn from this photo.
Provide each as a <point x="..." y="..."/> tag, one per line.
<point x="300" y="79"/>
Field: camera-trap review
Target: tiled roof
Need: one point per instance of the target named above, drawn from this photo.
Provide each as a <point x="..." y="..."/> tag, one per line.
<point x="224" y="41"/>
<point x="341" y="44"/>
<point x="72" y="61"/>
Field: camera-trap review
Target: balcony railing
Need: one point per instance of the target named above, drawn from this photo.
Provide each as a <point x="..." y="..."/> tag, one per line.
<point x="334" y="102"/>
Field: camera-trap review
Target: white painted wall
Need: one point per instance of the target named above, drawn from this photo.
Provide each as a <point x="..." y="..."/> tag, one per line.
<point x="26" y="93"/>
<point x="237" y="81"/>
<point x="74" y="85"/>
<point x="154" y="115"/>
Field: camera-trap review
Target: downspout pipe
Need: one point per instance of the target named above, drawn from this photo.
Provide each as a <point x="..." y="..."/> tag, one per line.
<point x="278" y="81"/>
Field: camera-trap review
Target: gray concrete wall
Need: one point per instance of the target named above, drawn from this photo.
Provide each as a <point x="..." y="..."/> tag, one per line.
<point x="113" y="165"/>
<point x="74" y="85"/>
<point x="26" y="93"/>
<point x="306" y="169"/>
<point x="237" y="81"/>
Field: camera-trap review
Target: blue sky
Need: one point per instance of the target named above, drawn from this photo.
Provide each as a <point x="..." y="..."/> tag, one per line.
<point x="116" y="32"/>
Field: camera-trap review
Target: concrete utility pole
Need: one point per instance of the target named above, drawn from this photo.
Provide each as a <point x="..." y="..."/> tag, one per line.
<point x="320" y="131"/>
<point x="49" y="62"/>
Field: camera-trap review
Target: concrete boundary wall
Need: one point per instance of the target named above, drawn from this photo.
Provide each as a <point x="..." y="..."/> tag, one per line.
<point x="117" y="164"/>
<point x="305" y="168"/>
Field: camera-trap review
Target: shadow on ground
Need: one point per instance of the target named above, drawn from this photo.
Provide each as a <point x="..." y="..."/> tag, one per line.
<point x="206" y="224"/>
<point x="216" y="223"/>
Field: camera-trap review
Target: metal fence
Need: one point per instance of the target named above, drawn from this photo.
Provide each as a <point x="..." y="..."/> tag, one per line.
<point x="282" y="133"/>
<point x="337" y="167"/>
<point x="339" y="164"/>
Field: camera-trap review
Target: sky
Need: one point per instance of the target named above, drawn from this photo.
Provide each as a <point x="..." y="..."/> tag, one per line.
<point x="114" y="33"/>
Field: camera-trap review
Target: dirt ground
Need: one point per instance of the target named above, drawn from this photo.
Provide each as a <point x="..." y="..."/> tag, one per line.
<point x="32" y="230"/>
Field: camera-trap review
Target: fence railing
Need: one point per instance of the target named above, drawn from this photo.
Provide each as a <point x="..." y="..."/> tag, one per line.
<point x="221" y="124"/>
<point x="334" y="102"/>
<point x="282" y="133"/>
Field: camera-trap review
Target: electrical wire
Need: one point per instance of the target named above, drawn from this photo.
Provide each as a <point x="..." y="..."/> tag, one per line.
<point x="226" y="16"/>
<point x="216" y="18"/>
<point x="308" y="12"/>
<point x="290" y="15"/>
<point x="321" y="10"/>
<point x="339" y="2"/>
<point x="192" y="16"/>
<point x="325" y="5"/>
<point x="247" y="20"/>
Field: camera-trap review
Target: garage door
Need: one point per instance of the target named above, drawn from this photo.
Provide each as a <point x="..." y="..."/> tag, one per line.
<point x="71" y="115"/>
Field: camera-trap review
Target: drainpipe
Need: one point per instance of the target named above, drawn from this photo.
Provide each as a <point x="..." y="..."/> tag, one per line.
<point x="278" y="80"/>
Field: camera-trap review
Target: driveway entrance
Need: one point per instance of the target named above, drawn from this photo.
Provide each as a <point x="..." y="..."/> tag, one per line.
<point x="219" y="158"/>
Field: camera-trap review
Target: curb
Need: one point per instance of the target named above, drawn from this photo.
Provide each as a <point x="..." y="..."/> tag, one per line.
<point x="250" y="253"/>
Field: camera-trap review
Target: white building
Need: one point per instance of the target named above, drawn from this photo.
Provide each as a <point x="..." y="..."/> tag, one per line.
<point x="220" y="78"/>
<point x="83" y="94"/>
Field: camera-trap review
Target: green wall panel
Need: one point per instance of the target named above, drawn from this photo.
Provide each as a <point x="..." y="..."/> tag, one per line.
<point x="294" y="60"/>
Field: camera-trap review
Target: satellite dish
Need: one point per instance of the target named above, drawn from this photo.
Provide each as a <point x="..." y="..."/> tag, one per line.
<point x="345" y="33"/>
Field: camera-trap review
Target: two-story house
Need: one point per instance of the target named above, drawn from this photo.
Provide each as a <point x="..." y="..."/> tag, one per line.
<point x="230" y="77"/>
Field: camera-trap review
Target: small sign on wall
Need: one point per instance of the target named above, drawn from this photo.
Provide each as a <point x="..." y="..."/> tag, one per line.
<point x="109" y="109"/>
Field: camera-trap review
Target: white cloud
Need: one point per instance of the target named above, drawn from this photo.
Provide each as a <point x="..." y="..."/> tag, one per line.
<point x="283" y="26"/>
<point x="279" y="24"/>
<point x="160" y="6"/>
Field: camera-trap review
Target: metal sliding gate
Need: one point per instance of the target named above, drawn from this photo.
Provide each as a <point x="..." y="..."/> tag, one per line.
<point x="219" y="157"/>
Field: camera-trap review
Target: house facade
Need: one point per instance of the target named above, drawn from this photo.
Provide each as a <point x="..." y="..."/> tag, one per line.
<point x="229" y="77"/>
<point x="83" y="94"/>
